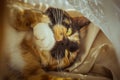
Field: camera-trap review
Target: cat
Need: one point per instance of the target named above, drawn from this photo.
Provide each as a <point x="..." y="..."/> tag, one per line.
<point x="40" y="42"/>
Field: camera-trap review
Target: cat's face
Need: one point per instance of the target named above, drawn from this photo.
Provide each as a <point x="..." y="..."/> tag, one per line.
<point x="58" y="39"/>
<point x="55" y="35"/>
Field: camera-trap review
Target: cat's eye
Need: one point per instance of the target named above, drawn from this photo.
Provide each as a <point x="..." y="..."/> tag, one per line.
<point x="69" y="32"/>
<point x="67" y="21"/>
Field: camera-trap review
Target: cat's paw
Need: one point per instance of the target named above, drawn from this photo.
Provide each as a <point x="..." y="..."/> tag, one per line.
<point x="44" y="37"/>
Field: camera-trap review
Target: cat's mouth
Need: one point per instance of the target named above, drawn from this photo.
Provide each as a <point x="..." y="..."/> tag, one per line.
<point x="62" y="55"/>
<point x="52" y="64"/>
<point x="58" y="51"/>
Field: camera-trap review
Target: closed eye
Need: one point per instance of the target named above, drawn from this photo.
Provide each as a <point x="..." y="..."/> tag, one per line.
<point x="67" y="21"/>
<point x="69" y="32"/>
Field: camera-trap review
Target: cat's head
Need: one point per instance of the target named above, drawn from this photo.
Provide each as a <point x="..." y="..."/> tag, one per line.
<point x="58" y="38"/>
<point x="55" y="35"/>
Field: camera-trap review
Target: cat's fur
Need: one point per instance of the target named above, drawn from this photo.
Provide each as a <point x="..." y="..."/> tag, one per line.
<point x="28" y="54"/>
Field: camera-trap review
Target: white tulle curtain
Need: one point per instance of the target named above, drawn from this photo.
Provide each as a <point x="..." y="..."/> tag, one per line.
<point x="55" y="3"/>
<point x="104" y="13"/>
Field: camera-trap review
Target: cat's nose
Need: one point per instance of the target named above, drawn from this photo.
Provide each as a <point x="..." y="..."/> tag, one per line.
<point x="58" y="52"/>
<point x="73" y="46"/>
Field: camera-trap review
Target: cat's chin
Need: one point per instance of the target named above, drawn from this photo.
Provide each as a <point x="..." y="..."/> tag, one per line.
<point x="44" y="37"/>
<point x="51" y="64"/>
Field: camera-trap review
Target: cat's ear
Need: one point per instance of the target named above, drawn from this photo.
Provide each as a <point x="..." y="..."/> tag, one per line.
<point x="80" y="22"/>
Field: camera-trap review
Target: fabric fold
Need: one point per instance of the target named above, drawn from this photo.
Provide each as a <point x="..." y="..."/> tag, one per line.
<point x="98" y="60"/>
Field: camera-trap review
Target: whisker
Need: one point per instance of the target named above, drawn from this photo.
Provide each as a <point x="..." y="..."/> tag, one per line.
<point x="51" y="60"/>
<point x="52" y="14"/>
<point x="60" y="69"/>
<point x="58" y="62"/>
<point x="56" y="17"/>
<point x="59" y="15"/>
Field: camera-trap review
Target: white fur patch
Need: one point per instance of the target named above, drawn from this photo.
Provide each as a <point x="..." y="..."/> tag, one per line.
<point x="12" y="42"/>
<point x="44" y="36"/>
<point x="16" y="59"/>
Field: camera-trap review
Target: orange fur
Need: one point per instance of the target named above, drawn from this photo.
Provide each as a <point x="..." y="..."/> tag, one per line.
<point x="25" y="21"/>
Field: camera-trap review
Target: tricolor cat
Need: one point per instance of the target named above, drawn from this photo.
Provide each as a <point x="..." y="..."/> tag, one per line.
<point x="48" y="40"/>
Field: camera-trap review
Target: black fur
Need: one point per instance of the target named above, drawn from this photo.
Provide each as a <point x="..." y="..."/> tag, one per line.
<point x="58" y="51"/>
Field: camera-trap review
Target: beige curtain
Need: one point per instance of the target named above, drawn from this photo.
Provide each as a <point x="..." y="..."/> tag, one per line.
<point x="98" y="62"/>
